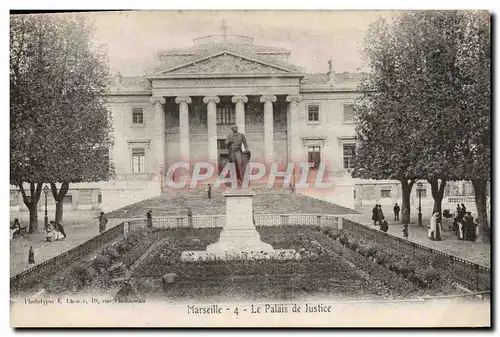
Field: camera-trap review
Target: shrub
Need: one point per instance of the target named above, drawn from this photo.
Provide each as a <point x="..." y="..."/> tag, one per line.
<point x="430" y="276"/>
<point x="122" y="247"/>
<point x="354" y="245"/>
<point x="112" y="253"/>
<point x="81" y="273"/>
<point x="101" y="262"/>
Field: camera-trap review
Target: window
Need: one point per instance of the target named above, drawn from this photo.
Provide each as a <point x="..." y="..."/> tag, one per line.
<point x="226" y="115"/>
<point x="313" y="113"/>
<point x="221" y="144"/>
<point x="349" y="114"/>
<point x="99" y="198"/>
<point x="314" y="155"/>
<point x="137" y="116"/>
<point x="385" y="193"/>
<point x="138" y="161"/>
<point x="349" y="153"/>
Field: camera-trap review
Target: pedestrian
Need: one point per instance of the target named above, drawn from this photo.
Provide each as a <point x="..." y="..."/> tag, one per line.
<point x="464" y="210"/>
<point x="31" y="256"/>
<point x="102" y="222"/>
<point x="384" y="226"/>
<point x="60" y="228"/>
<point x="434" y="233"/>
<point x="253" y="217"/>
<point x="149" y="219"/>
<point x="469" y="227"/>
<point x="405" y="231"/>
<point x="190" y="217"/>
<point x="16" y="228"/>
<point x="396" y="212"/>
<point x="209" y="191"/>
<point x="375" y="214"/>
<point x="380" y="213"/>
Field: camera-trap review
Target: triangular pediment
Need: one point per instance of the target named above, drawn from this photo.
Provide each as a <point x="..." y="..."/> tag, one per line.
<point x="228" y="63"/>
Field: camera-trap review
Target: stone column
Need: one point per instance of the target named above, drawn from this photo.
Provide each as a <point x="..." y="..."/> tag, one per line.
<point x="268" y="101"/>
<point x="240" y="111"/>
<point x="295" y="145"/>
<point x="211" y="102"/>
<point x="159" y="131"/>
<point x="183" y="102"/>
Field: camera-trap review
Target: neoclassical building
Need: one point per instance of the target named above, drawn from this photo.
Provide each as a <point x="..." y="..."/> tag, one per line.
<point x="185" y="109"/>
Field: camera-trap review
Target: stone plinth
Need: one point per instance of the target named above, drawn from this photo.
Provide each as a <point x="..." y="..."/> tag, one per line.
<point x="239" y="234"/>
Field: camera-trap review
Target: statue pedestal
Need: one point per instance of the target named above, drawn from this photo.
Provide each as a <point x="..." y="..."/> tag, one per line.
<point x="239" y="234"/>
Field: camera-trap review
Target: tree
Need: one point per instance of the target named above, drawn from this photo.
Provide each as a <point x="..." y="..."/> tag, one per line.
<point x="60" y="128"/>
<point x="416" y="90"/>
<point x="474" y="58"/>
<point x="386" y="140"/>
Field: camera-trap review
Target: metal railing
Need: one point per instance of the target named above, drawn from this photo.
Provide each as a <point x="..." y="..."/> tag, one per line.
<point x="41" y="271"/>
<point x="218" y="221"/>
<point x="471" y="275"/>
<point x="475" y="277"/>
<point x="464" y="199"/>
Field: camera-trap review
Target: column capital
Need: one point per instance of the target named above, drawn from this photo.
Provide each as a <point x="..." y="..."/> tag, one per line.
<point x="208" y="99"/>
<point x="236" y="99"/>
<point x="180" y="99"/>
<point x="158" y="100"/>
<point x="268" y="98"/>
<point x="292" y="98"/>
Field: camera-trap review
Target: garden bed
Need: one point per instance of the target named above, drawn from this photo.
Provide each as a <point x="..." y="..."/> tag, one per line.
<point x="328" y="268"/>
<point x="331" y="264"/>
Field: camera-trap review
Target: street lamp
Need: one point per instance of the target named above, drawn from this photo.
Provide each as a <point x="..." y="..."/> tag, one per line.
<point x="419" y="189"/>
<point x="45" y="191"/>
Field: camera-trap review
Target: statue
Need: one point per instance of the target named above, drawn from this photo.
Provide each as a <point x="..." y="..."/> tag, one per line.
<point x="236" y="155"/>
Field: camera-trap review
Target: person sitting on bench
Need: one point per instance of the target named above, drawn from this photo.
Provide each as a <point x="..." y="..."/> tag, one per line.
<point x="17" y="229"/>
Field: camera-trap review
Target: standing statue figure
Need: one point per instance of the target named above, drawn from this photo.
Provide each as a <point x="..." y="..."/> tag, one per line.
<point x="236" y="155"/>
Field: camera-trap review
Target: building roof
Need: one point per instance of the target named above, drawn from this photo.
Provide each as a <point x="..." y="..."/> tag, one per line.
<point x="202" y="48"/>
<point x="129" y="84"/>
<point x="316" y="78"/>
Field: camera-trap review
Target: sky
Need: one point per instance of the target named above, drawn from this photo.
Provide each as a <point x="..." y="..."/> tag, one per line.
<point x="132" y="39"/>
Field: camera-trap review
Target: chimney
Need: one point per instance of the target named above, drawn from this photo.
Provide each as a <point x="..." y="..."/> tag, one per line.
<point x="118" y="78"/>
<point x="331" y="72"/>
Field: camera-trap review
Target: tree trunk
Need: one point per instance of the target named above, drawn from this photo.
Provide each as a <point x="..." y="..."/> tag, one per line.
<point x="59" y="197"/>
<point x="406" y="187"/>
<point x="33" y="209"/>
<point x="32" y="203"/>
<point x="59" y="211"/>
<point x="483" y="230"/>
<point x="437" y="190"/>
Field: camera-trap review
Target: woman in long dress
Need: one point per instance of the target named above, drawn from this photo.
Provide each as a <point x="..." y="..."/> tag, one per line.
<point x="52" y="233"/>
<point x="434" y="232"/>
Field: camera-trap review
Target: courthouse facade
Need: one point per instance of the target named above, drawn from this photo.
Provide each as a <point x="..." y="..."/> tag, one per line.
<point x="185" y="109"/>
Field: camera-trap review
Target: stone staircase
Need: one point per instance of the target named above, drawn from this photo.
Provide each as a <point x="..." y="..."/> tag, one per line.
<point x="177" y="202"/>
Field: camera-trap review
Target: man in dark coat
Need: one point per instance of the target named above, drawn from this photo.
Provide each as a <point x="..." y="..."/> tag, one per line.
<point x="396" y="212"/>
<point x="209" y="191"/>
<point x="149" y="219"/>
<point x="375" y="215"/>
<point x="31" y="256"/>
<point x="102" y="222"/>
<point x="469" y="227"/>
